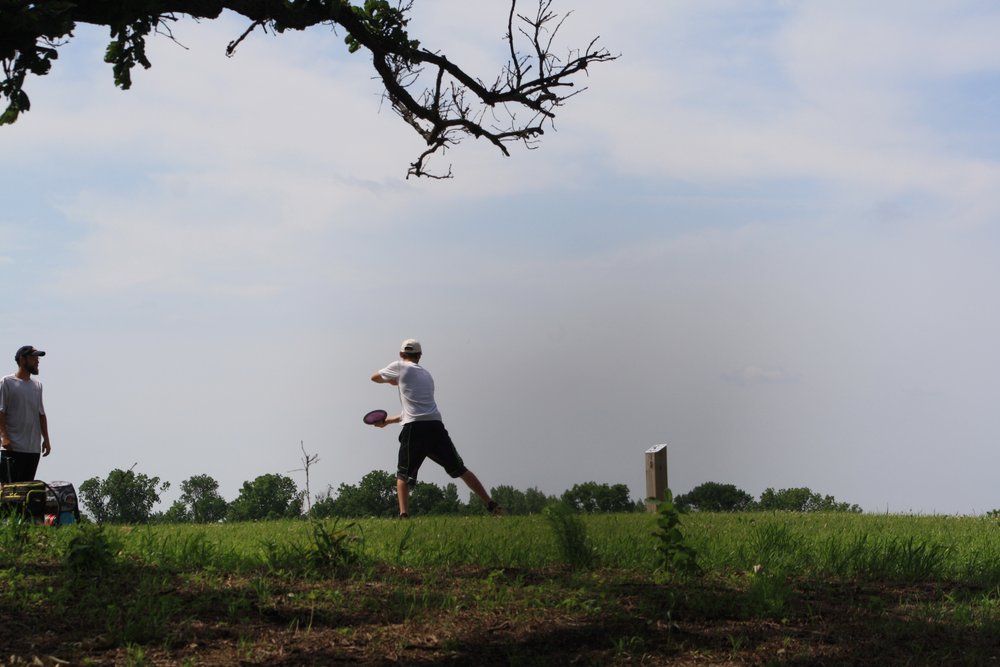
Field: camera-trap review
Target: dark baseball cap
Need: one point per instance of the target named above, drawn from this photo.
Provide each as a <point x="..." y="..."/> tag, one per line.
<point x="27" y="351"/>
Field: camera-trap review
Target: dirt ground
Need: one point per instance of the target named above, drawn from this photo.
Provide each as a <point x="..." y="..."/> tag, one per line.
<point x="476" y="617"/>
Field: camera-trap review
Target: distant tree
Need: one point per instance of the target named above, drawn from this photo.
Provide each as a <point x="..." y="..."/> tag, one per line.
<point x="515" y="501"/>
<point x="535" y="501"/>
<point x="714" y="497"/>
<point x="124" y="497"/>
<point x="177" y="513"/>
<point x="374" y="495"/>
<point x="801" y="499"/>
<point x="269" y="496"/>
<point x="429" y="498"/>
<point x="200" y="496"/>
<point x="512" y="500"/>
<point x="787" y="500"/>
<point x="324" y="504"/>
<point x="474" y="506"/>
<point x="591" y="497"/>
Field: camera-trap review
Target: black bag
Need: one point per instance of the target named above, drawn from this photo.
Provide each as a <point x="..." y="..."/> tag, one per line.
<point x="61" y="504"/>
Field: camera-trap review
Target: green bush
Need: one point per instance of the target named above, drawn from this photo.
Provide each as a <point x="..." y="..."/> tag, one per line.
<point x="677" y="556"/>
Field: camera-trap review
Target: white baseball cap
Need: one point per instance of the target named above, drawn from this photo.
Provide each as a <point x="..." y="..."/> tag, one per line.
<point x="411" y="346"/>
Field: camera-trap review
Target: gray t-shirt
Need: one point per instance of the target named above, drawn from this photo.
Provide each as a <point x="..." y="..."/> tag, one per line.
<point x="416" y="391"/>
<point x="21" y="403"/>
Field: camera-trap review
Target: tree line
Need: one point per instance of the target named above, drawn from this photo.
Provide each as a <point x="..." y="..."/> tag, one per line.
<point x="127" y="496"/>
<point x="716" y="497"/>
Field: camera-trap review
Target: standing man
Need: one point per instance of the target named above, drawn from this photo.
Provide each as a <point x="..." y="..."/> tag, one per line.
<point x="423" y="434"/>
<point x="24" y="430"/>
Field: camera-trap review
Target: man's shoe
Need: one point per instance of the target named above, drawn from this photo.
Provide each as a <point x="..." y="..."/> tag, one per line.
<point x="404" y="515"/>
<point x="494" y="508"/>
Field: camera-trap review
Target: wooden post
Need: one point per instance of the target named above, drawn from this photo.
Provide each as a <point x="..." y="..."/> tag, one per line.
<point x="656" y="476"/>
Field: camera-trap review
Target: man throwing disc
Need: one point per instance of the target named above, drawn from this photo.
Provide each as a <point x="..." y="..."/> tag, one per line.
<point x="423" y="434"/>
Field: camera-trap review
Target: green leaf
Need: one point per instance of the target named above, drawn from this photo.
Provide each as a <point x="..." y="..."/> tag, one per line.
<point x="9" y="115"/>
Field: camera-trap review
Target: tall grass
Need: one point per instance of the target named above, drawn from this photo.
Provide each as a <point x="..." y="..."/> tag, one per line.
<point x="896" y="548"/>
<point x="148" y="592"/>
<point x="882" y="547"/>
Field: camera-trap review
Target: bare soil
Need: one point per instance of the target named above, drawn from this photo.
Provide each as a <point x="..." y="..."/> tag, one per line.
<point x="473" y="616"/>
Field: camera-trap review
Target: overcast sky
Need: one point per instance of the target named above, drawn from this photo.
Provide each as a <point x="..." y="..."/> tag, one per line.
<point x="767" y="236"/>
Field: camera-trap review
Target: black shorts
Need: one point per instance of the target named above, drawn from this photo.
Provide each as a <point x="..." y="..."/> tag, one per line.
<point x="18" y="466"/>
<point x="426" y="440"/>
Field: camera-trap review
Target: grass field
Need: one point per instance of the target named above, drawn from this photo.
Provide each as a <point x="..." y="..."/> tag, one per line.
<point x="781" y="589"/>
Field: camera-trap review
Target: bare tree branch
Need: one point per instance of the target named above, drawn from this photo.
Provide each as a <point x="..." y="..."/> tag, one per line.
<point x="307" y="461"/>
<point x="231" y="49"/>
<point x="453" y="105"/>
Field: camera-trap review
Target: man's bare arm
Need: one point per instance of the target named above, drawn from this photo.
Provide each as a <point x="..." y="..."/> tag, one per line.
<point x="46" y="446"/>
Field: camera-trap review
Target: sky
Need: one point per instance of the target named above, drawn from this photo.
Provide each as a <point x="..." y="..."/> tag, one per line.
<point x="766" y="236"/>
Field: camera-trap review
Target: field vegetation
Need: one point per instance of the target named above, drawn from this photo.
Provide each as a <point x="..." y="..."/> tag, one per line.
<point x="557" y="587"/>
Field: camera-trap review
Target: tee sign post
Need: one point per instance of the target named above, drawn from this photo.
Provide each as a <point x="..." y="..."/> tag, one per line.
<point x="656" y="476"/>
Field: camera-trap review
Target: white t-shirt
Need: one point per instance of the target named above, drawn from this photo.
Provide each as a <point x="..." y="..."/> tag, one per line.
<point x="21" y="403"/>
<point x="416" y="391"/>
